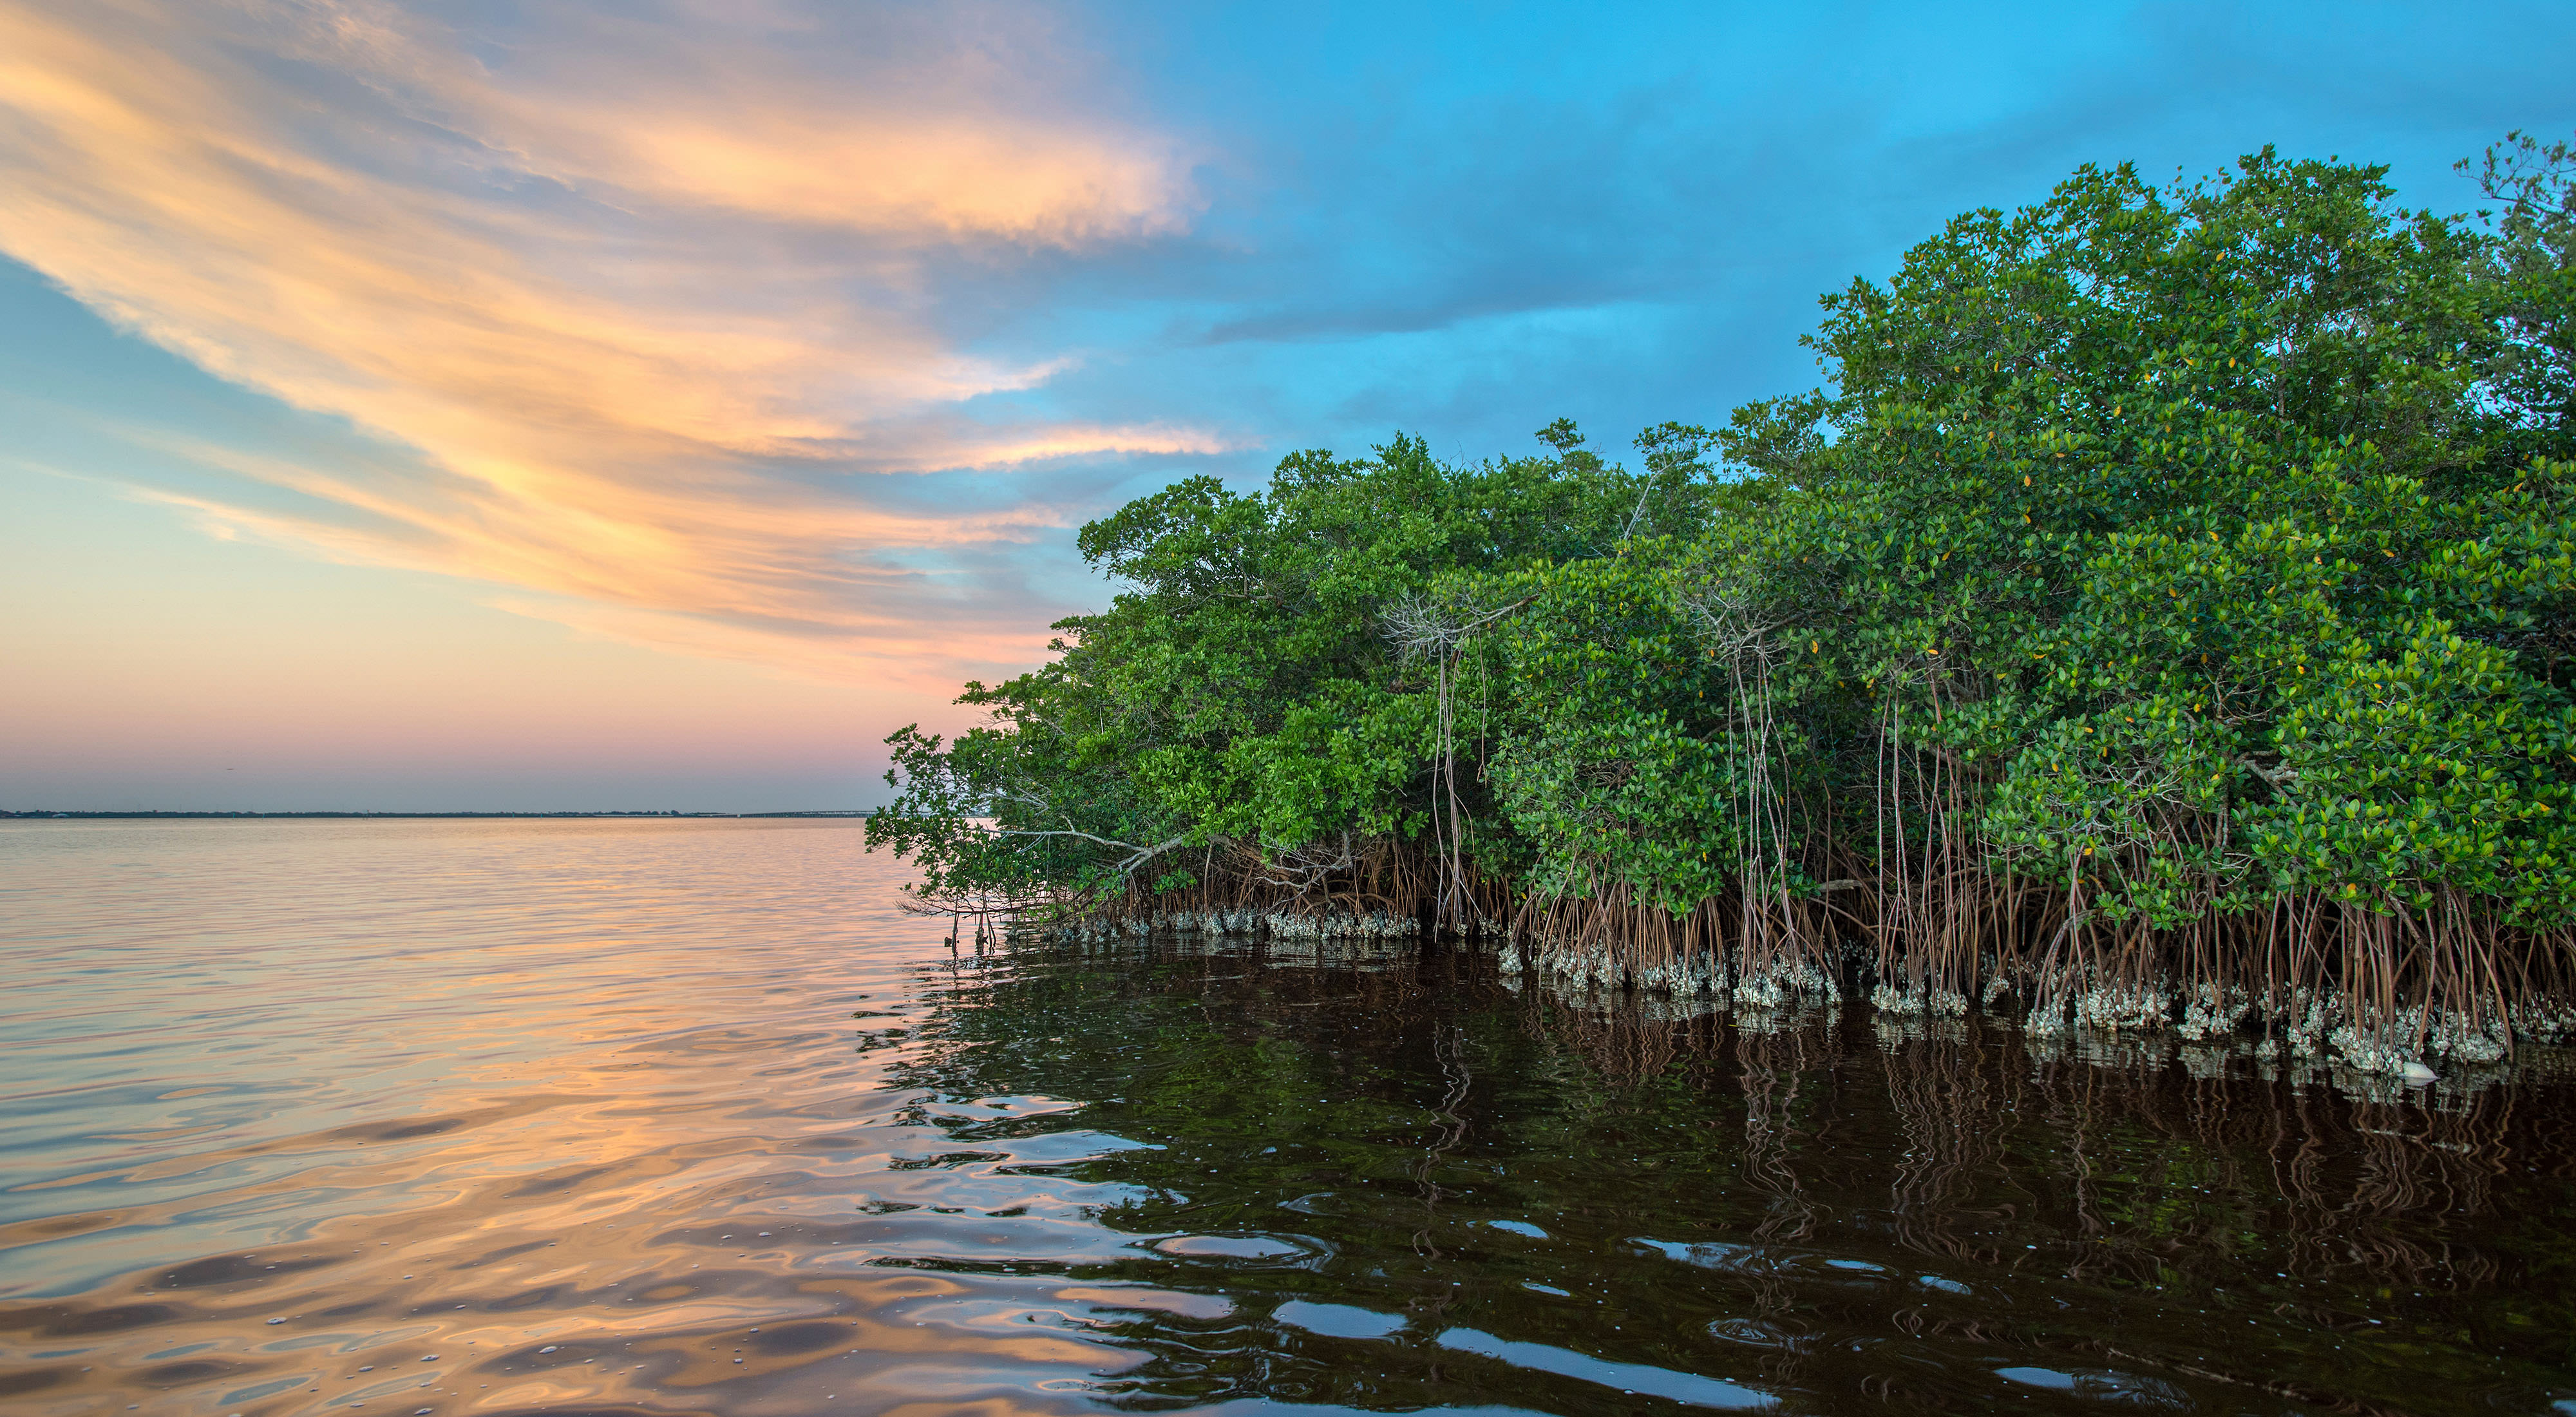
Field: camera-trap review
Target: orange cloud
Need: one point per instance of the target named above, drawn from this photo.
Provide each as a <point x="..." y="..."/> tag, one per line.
<point x="640" y="302"/>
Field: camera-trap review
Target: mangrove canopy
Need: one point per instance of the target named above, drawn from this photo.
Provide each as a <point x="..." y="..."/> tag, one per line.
<point x="2161" y="616"/>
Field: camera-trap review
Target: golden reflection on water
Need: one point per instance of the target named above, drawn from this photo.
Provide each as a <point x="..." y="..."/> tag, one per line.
<point x="524" y="1100"/>
<point x="676" y="1117"/>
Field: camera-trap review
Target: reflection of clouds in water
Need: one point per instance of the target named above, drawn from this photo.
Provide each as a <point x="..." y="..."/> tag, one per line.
<point x="580" y="1108"/>
<point x="651" y="1191"/>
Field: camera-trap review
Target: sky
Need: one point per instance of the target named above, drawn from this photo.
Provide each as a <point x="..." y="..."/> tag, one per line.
<point x="650" y="405"/>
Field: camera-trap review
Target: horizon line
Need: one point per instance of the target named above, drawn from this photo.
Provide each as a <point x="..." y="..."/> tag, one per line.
<point x="93" y="815"/>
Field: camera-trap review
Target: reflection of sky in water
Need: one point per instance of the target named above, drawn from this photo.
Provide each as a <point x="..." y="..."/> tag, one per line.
<point x="1337" y="1320"/>
<point x="687" y="1117"/>
<point x="1626" y="1377"/>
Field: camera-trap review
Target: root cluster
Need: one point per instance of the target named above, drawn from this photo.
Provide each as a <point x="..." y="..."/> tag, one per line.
<point x="2377" y="991"/>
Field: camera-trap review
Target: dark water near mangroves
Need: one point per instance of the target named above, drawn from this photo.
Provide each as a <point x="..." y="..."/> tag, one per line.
<point x="574" y="1117"/>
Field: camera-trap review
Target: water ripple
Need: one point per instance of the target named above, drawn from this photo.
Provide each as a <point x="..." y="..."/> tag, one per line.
<point x="671" y="1117"/>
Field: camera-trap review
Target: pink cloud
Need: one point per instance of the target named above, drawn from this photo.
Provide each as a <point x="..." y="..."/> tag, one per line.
<point x="629" y="294"/>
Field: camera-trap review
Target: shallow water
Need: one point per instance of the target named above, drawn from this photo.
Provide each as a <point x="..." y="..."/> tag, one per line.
<point x="575" y="1117"/>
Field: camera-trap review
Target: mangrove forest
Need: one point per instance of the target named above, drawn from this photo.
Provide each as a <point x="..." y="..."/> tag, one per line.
<point x="2161" y="616"/>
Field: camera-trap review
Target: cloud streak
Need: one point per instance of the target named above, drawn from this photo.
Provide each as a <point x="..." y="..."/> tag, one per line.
<point x="650" y="295"/>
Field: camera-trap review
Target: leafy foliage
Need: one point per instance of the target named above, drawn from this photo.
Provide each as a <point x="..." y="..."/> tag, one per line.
<point x="2196" y="549"/>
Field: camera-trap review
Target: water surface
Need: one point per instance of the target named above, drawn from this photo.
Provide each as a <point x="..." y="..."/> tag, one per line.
<point x="686" y="1117"/>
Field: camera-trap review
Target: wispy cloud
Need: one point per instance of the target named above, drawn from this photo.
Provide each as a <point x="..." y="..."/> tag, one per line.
<point x="651" y="291"/>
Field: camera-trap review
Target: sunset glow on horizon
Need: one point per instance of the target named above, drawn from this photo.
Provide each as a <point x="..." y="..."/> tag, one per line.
<point x="441" y="406"/>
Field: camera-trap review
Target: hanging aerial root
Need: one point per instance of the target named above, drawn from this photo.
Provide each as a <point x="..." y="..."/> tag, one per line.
<point x="2373" y="985"/>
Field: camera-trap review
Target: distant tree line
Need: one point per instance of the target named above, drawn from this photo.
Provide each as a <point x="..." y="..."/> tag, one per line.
<point x="2164" y="615"/>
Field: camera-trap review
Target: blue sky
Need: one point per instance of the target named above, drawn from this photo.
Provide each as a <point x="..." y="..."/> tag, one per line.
<point x="486" y="405"/>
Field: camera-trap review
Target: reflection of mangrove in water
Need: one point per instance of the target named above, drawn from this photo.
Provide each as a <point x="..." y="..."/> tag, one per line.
<point x="1819" y="1203"/>
<point x="1192" y="1173"/>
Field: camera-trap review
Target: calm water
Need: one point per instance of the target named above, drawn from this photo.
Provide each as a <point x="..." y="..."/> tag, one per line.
<point x="686" y="1117"/>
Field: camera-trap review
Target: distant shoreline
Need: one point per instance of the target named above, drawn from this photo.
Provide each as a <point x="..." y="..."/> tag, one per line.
<point x="372" y="816"/>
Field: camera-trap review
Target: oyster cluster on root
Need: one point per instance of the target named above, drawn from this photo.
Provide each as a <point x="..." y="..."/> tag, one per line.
<point x="2214" y="1011"/>
<point x="1333" y="925"/>
<point x="2317" y="1025"/>
<point x="1927" y="1000"/>
<point x="2354" y="1004"/>
<point x="1275" y="924"/>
